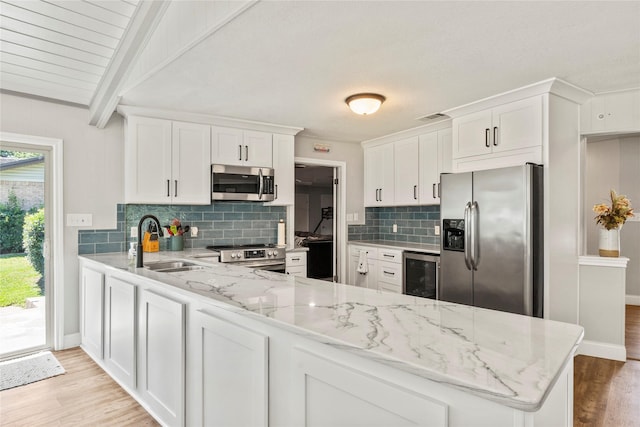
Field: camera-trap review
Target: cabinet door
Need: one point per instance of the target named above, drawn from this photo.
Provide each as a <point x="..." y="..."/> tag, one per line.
<point x="231" y="371"/>
<point x="519" y="125"/>
<point x="120" y="330"/>
<point x="190" y="158"/>
<point x="444" y="152"/>
<point x="284" y="167"/>
<point x="368" y="280"/>
<point x="379" y="175"/>
<point x="472" y="134"/>
<point x="429" y="176"/>
<point x="616" y="112"/>
<point x="162" y="356"/>
<point x="148" y="160"/>
<point x="227" y="146"/>
<point x="330" y="393"/>
<point x="92" y="311"/>
<point x="258" y="149"/>
<point x="406" y="171"/>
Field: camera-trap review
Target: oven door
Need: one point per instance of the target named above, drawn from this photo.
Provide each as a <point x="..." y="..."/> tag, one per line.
<point x="272" y="265"/>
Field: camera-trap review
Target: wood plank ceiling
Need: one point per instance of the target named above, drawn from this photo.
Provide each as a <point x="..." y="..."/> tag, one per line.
<point x="60" y="49"/>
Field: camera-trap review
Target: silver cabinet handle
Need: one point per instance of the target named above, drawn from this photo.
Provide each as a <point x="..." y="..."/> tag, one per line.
<point x="175" y="192"/>
<point x="168" y="188"/>
<point x="486" y="137"/>
<point x="467" y="237"/>
<point x="240" y="152"/>
<point x="381" y="194"/>
<point x="495" y="136"/>
<point x="246" y="153"/>
<point x="415" y="188"/>
<point x="275" y="196"/>
<point x="433" y="190"/>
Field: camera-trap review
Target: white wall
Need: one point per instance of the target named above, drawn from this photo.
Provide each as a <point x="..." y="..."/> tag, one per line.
<point x="93" y="173"/>
<point x="615" y="163"/>
<point x="352" y="155"/>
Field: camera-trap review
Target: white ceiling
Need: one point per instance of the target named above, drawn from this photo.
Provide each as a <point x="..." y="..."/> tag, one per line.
<point x="294" y="62"/>
<point x="60" y="49"/>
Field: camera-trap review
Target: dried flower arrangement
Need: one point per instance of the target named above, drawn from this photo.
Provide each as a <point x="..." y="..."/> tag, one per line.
<point x="614" y="216"/>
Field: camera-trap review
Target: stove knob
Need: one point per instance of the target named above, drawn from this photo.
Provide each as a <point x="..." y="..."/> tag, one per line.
<point x="270" y="253"/>
<point x="239" y="255"/>
<point x="233" y="255"/>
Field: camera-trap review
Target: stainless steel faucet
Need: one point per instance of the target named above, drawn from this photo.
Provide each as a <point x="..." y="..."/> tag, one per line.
<point x="139" y="260"/>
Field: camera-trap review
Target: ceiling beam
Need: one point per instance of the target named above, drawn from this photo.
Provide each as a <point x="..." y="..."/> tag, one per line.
<point x="138" y="33"/>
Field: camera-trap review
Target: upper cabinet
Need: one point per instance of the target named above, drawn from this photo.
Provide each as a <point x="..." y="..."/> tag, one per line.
<point x="512" y="129"/>
<point x="610" y="113"/>
<point x="230" y="146"/>
<point x="407" y="171"/>
<point x="284" y="167"/>
<point x="166" y="162"/>
<point x="379" y="175"/>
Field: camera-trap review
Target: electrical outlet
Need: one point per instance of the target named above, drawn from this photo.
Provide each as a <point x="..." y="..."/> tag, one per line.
<point x="134" y="232"/>
<point x="79" y="220"/>
<point x="395" y="228"/>
<point x="194" y="231"/>
<point x="436" y="230"/>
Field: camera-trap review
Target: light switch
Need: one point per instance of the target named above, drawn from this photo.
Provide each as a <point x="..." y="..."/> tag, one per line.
<point x="395" y="228"/>
<point x="436" y="230"/>
<point x="79" y="220"/>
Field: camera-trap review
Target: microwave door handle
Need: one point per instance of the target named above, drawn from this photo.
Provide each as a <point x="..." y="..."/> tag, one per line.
<point x="467" y="237"/>
<point x="260" y="184"/>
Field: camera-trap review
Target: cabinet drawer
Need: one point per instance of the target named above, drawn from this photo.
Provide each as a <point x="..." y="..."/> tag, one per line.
<point x="390" y="272"/>
<point x="297" y="271"/>
<point x="390" y="255"/>
<point x="296" y="259"/>
<point x="372" y="253"/>
<point x="388" y="287"/>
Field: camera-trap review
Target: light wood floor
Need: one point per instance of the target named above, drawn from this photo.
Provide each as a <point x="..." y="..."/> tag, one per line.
<point x="606" y="393"/>
<point x="84" y="396"/>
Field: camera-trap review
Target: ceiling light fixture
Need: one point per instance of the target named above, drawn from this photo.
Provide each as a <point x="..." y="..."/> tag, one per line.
<point x="365" y="103"/>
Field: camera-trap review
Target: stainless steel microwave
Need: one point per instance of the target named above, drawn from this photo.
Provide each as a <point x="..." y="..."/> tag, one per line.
<point x="242" y="183"/>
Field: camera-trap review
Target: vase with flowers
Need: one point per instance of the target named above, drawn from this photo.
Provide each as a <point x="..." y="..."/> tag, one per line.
<point x="611" y="218"/>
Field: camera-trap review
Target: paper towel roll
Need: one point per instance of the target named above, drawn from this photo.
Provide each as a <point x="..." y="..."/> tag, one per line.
<point x="281" y="233"/>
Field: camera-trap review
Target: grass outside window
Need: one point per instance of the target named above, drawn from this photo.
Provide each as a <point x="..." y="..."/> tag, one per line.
<point x="18" y="280"/>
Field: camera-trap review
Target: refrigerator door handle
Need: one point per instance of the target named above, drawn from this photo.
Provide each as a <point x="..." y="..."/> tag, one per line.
<point x="475" y="247"/>
<point x="467" y="236"/>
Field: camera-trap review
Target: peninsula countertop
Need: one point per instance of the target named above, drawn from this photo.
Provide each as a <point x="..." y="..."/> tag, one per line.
<point x="510" y="359"/>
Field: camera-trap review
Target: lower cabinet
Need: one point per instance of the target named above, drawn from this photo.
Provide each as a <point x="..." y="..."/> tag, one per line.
<point x="329" y="393"/>
<point x="162" y="356"/>
<point x="229" y="365"/>
<point x="384" y="268"/>
<point x="92" y="314"/>
<point x="296" y="263"/>
<point x="368" y="278"/>
<point x="120" y="330"/>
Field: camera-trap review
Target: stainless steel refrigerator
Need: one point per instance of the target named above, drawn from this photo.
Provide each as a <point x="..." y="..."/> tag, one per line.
<point x="491" y="243"/>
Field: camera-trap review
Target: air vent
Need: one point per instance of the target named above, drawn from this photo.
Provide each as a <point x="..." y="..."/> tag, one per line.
<point x="434" y="117"/>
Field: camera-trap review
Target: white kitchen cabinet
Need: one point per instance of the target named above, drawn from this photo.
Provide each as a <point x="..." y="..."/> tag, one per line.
<point x="167" y="162"/>
<point x="615" y="112"/>
<point x="379" y="176"/>
<point x="230" y="146"/>
<point x="435" y="158"/>
<point x="161" y="359"/>
<point x="503" y="131"/>
<point x="326" y="393"/>
<point x="120" y="330"/>
<point x="390" y="272"/>
<point x="296" y="263"/>
<point x="231" y="372"/>
<point x="284" y="169"/>
<point x="406" y="171"/>
<point x="92" y="322"/>
<point x="369" y="279"/>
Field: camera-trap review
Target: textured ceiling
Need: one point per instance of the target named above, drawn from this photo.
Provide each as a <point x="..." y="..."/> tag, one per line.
<point x="60" y="49"/>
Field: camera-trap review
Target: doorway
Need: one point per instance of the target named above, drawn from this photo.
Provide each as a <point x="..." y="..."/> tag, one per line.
<point x="28" y="180"/>
<point x="318" y="218"/>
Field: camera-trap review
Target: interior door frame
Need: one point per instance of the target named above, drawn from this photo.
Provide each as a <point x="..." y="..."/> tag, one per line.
<point x="54" y="245"/>
<point x="339" y="214"/>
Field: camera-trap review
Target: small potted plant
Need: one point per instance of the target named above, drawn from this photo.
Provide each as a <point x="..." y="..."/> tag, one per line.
<point x="611" y="218"/>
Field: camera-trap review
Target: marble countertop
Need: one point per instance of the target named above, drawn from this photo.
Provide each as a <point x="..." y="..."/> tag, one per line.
<point x="405" y="246"/>
<point x="510" y="359"/>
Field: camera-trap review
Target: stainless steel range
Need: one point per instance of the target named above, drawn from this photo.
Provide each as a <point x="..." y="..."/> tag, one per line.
<point x="261" y="257"/>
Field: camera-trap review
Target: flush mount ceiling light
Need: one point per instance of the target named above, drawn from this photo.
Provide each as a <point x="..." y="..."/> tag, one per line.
<point x="365" y="103"/>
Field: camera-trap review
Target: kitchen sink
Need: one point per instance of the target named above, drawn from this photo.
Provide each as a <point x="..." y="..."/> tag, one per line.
<point x="172" y="266"/>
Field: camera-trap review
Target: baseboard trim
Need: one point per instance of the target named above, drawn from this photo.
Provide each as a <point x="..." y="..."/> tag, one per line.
<point x="632" y="299"/>
<point x="70" y="341"/>
<point x="603" y="350"/>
